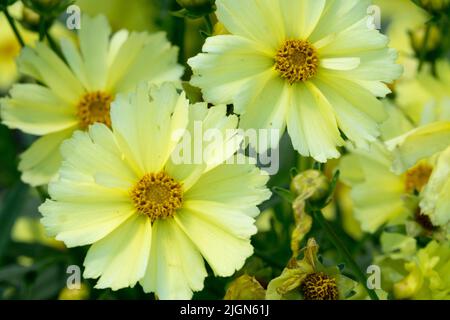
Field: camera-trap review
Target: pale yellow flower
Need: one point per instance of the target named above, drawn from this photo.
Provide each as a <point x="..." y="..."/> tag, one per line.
<point x="429" y="141"/>
<point x="76" y="95"/>
<point x="389" y="180"/>
<point x="313" y="66"/>
<point x="149" y="218"/>
<point x="378" y="194"/>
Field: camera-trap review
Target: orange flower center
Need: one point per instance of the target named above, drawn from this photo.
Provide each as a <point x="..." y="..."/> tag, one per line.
<point x="157" y="195"/>
<point x="417" y="177"/>
<point x="94" y="107"/>
<point x="296" y="61"/>
<point x="319" y="286"/>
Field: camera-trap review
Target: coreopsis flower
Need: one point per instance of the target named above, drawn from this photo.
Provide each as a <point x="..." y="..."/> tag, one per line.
<point x="149" y="217"/>
<point x="77" y="94"/>
<point x="374" y="206"/>
<point x="403" y="165"/>
<point x="411" y="149"/>
<point x="313" y="66"/>
<point x="309" y="279"/>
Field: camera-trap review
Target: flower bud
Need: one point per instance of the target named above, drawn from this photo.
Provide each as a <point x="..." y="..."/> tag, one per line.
<point x="30" y="19"/>
<point x="433" y="41"/>
<point x="312" y="182"/>
<point x="49" y="9"/>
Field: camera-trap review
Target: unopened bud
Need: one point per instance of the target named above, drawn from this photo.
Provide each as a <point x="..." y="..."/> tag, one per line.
<point x="432" y="42"/>
<point x="30" y="19"/>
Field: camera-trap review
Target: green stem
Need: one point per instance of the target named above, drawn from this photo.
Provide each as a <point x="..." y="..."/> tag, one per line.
<point x="53" y="44"/>
<point x="209" y="25"/>
<point x="41" y="28"/>
<point x="13" y="26"/>
<point x="423" y="53"/>
<point x="43" y="195"/>
<point x="344" y="252"/>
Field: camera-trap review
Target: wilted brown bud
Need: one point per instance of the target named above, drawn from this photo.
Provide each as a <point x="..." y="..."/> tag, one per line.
<point x="245" y="288"/>
<point x="312" y="182"/>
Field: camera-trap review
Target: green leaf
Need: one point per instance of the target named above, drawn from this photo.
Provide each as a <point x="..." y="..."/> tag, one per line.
<point x="284" y="193"/>
<point x="334" y="181"/>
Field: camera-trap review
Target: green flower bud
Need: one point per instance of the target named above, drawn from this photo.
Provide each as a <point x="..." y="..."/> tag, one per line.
<point x="50" y="9"/>
<point x="30" y="19"/>
<point x="312" y="182"/>
<point x="433" y="41"/>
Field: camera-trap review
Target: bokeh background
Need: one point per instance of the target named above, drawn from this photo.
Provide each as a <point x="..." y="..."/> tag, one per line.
<point x="33" y="266"/>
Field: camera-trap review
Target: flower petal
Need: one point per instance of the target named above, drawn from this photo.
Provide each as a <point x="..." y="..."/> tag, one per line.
<point x="120" y="259"/>
<point x="175" y="267"/>
<point x="94" y="42"/>
<point x="44" y="65"/>
<point x="40" y="163"/>
<point x="37" y="110"/>
<point x="100" y="159"/>
<point x="143" y="57"/>
<point x="228" y="63"/>
<point x="312" y="125"/>
<point x="224" y="252"/>
<point x="219" y="185"/>
<point x="301" y="17"/>
<point x="79" y="224"/>
<point x="259" y="20"/>
<point x="265" y="108"/>
<point x="149" y="113"/>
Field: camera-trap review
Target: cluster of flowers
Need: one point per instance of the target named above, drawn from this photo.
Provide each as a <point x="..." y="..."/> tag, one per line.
<point x="106" y="111"/>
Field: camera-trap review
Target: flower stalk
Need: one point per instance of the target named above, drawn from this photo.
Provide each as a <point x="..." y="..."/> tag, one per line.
<point x="13" y="27"/>
<point x="318" y="216"/>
